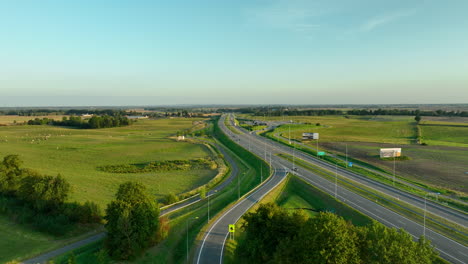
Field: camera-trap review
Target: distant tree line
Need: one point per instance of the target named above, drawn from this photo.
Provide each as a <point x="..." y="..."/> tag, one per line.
<point x="320" y="112"/>
<point x="40" y="200"/>
<point x="42" y="112"/>
<point x="94" y="122"/>
<point x="274" y="235"/>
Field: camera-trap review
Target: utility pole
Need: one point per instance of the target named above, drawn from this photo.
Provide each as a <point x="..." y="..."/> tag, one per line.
<point x="346" y="155"/>
<point x="425" y="200"/>
<point x="261" y="172"/>
<point x="317" y="146"/>
<point x="336" y="177"/>
<point x="393" y="168"/>
<point x="238" y="187"/>
<point x="294" y="150"/>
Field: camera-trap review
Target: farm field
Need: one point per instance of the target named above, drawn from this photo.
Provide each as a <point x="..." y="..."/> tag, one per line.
<point x="10" y="119"/>
<point x="77" y="153"/>
<point x="387" y="129"/>
<point x="442" y="162"/>
<point x="448" y="134"/>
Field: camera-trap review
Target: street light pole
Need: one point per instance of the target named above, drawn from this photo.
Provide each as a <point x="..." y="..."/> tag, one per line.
<point x="214" y="191"/>
<point x="393" y="168"/>
<point x="425" y="201"/>
<point x="336" y="178"/>
<point x="346" y="155"/>
<point x="186" y="225"/>
<point x="261" y="172"/>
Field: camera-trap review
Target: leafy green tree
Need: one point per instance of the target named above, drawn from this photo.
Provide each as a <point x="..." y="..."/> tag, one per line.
<point x="417" y="118"/>
<point x="326" y="238"/>
<point x="203" y="192"/>
<point x="132" y="221"/>
<point x="379" y="244"/>
<point x="171" y="198"/>
<point x="45" y="193"/>
<point x="11" y="174"/>
<point x="265" y="228"/>
<point x="71" y="259"/>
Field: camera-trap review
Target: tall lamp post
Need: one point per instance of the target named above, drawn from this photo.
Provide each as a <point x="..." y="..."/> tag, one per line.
<point x="336" y="177"/>
<point x="214" y="191"/>
<point x="186" y="225"/>
<point x="425" y="201"/>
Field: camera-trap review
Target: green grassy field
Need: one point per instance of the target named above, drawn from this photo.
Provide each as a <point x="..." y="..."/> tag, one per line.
<point x="445" y="134"/>
<point x="388" y="129"/>
<point x="18" y="241"/>
<point x="76" y="154"/>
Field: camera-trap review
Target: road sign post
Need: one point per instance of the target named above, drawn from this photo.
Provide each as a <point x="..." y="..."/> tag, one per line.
<point x="232" y="229"/>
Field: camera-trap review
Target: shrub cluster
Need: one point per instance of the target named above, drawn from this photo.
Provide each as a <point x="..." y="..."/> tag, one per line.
<point x="157" y="166"/>
<point x="40" y="200"/>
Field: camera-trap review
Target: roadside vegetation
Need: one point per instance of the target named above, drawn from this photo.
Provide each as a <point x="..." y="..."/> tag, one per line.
<point x="276" y="235"/>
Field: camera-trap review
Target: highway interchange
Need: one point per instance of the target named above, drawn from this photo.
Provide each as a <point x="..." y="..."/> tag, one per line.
<point x="210" y="249"/>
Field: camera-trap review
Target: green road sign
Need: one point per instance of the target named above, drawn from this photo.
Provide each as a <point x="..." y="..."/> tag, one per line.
<point x="321" y="153"/>
<point x="232" y="228"/>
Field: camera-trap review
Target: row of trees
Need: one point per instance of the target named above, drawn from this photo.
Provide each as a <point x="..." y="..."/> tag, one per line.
<point x="40" y="200"/>
<point x="45" y="111"/>
<point x="274" y="235"/>
<point x="320" y="112"/>
<point x="94" y="122"/>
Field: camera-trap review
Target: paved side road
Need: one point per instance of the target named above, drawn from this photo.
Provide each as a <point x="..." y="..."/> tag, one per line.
<point x="54" y="253"/>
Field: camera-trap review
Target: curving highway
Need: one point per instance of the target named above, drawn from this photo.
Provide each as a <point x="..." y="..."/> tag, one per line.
<point x="210" y="249"/>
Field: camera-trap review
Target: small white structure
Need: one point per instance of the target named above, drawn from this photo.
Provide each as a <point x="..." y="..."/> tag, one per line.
<point x="179" y="138"/>
<point x="390" y="152"/>
<point x="306" y="136"/>
<point x="86" y="116"/>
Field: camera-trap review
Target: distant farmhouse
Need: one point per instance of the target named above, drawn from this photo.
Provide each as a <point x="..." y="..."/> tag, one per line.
<point x="390" y="152"/>
<point x="86" y="116"/>
<point x="306" y="136"/>
<point x="137" y="117"/>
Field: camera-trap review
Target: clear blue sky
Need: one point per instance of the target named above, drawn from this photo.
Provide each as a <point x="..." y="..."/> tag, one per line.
<point x="246" y="51"/>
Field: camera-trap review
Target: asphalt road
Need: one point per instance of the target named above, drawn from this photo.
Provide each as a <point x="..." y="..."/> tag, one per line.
<point x="164" y="211"/>
<point x="211" y="248"/>
<point x="447" y="213"/>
